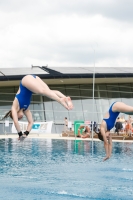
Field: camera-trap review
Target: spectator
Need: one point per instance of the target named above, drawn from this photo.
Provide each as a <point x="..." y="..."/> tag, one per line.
<point x="130" y="119"/>
<point x="85" y="133"/>
<point x="122" y="119"/>
<point x="94" y="126"/>
<point x="65" y="124"/>
<point x="124" y="125"/>
<point x="69" y="125"/>
<point x="118" y="126"/>
<point x="128" y="128"/>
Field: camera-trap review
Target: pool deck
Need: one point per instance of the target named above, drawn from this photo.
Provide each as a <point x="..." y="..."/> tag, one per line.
<point x="58" y="136"/>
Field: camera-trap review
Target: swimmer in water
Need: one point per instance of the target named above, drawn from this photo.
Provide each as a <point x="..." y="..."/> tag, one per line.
<point x="108" y="123"/>
<point x="28" y="85"/>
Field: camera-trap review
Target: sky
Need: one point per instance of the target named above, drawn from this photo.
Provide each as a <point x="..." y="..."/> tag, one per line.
<point x="65" y="33"/>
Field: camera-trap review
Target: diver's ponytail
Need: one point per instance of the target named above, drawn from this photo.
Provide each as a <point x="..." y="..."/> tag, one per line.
<point x="99" y="134"/>
<point x="8" y="114"/>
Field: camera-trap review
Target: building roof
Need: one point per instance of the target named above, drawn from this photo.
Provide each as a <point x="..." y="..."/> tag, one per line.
<point x="65" y="72"/>
<point x="67" y="75"/>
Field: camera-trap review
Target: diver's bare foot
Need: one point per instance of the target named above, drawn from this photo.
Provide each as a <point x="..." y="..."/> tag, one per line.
<point x="69" y="102"/>
<point x="63" y="102"/>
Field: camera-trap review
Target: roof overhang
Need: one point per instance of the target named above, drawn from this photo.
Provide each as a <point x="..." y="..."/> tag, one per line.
<point x="67" y="75"/>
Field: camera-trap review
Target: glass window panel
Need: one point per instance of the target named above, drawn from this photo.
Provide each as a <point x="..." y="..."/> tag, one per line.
<point x="37" y="102"/>
<point x="86" y="86"/>
<point x="47" y="104"/>
<point x="126" y="95"/>
<point x="38" y="106"/>
<point x="86" y="93"/>
<point x="112" y="87"/>
<point x="5" y="105"/>
<point x="77" y="105"/>
<point x="86" y="90"/>
<point x="89" y="110"/>
<point x="7" y="90"/>
<point x="38" y="116"/>
<point x="131" y="86"/>
<point x="125" y="87"/>
<point x="16" y="89"/>
<point x="91" y="116"/>
<point x="102" y="91"/>
<point x="8" y="97"/>
<point x="102" y="105"/>
<point x="100" y="117"/>
<point x="59" y="116"/>
<point x="76" y="116"/>
<point x="48" y="107"/>
<point x="58" y="107"/>
<point x="73" y="91"/>
<point x="89" y="94"/>
<point x="96" y="93"/>
<point x="113" y="95"/>
<point x="37" y="98"/>
<point x="88" y="105"/>
<point x="125" y="91"/>
<point x="102" y="87"/>
<point x="3" y="112"/>
<point x="49" y="115"/>
<point x="102" y="94"/>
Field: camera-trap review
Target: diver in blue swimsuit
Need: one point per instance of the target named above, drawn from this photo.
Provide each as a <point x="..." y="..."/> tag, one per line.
<point x="24" y="97"/>
<point x="32" y="84"/>
<point x="108" y="123"/>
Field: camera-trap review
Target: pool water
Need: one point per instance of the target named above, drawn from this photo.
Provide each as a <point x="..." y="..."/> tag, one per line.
<point x="38" y="169"/>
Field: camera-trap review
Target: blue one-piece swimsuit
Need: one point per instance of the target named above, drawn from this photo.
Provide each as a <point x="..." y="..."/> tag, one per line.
<point x="112" y="118"/>
<point x="24" y="97"/>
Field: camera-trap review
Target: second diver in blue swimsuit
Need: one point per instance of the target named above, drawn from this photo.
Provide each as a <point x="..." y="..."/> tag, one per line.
<point x="108" y="123"/>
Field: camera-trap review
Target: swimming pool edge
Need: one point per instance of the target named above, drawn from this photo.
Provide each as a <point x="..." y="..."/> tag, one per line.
<point x="56" y="136"/>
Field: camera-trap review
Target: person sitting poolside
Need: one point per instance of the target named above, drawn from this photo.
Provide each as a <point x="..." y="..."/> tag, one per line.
<point x="118" y="126"/>
<point x="85" y="133"/>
